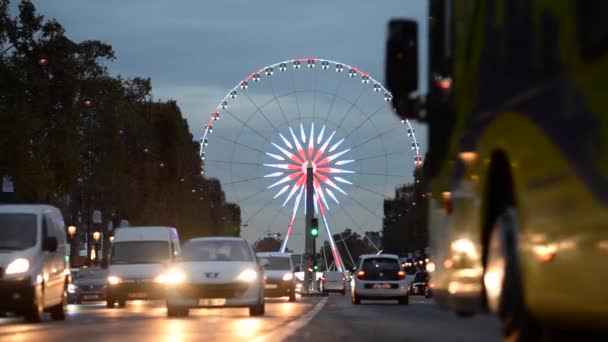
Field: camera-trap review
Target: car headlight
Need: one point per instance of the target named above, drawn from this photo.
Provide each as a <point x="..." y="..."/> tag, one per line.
<point x="72" y="288"/>
<point x="173" y="277"/>
<point x="113" y="280"/>
<point x="288" y="276"/>
<point x="17" y="266"/>
<point x="247" y="275"/>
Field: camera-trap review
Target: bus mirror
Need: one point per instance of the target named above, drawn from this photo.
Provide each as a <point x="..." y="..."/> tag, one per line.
<point x="401" y="68"/>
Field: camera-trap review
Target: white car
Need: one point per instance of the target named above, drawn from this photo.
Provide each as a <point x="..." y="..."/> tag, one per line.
<point x="379" y="277"/>
<point x="215" y="272"/>
<point x="138" y="259"/>
<point x="34" y="272"/>
<point x="278" y="273"/>
<point x="333" y="281"/>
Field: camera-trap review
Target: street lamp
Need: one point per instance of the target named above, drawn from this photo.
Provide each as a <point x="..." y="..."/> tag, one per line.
<point x="72" y="231"/>
<point x="111" y="238"/>
<point x="96" y="236"/>
<point x="73" y="244"/>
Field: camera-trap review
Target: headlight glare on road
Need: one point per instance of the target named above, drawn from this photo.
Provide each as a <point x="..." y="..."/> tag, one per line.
<point x="174" y="277"/>
<point x="247" y="275"/>
<point x="72" y="288"/>
<point x="17" y="266"/>
<point x="113" y="280"/>
<point x="288" y="276"/>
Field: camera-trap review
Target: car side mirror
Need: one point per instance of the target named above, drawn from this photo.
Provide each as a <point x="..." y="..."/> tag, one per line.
<point x="264" y="263"/>
<point x="296" y="269"/>
<point x="49" y="244"/>
<point x="401" y="68"/>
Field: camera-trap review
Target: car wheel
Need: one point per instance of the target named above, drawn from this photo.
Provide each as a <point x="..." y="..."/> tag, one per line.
<point x="58" y="311"/>
<point x="502" y="280"/>
<point x="343" y="292"/>
<point x="356" y="299"/>
<point x="405" y="300"/>
<point x="292" y="296"/>
<point x="110" y="303"/>
<point x="257" y="310"/>
<point x="33" y="314"/>
<point x="122" y="303"/>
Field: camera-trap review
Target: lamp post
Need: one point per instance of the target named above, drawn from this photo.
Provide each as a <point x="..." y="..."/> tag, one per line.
<point x="73" y="244"/>
<point x="96" y="237"/>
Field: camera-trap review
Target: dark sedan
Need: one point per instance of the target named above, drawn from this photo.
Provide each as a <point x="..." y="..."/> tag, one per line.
<point x="88" y="284"/>
<point x="420" y="284"/>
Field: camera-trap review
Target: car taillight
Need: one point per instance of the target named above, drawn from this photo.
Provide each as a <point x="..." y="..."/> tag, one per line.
<point x="343" y="278"/>
<point x="361" y="274"/>
<point x="401" y="274"/>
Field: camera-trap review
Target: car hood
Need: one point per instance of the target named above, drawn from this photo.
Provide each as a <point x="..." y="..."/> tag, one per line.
<point x="92" y="281"/>
<point x="136" y="271"/>
<point x="215" y="272"/>
<point x="275" y="274"/>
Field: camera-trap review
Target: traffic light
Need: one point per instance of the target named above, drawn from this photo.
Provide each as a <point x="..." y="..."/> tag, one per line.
<point x="314" y="227"/>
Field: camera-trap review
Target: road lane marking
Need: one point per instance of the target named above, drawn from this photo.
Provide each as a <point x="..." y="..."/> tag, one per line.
<point x="292" y="327"/>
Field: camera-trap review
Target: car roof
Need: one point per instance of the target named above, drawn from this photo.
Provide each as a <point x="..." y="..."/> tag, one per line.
<point x="392" y="256"/>
<point x="273" y="254"/>
<point x="26" y="208"/>
<point x="217" y="238"/>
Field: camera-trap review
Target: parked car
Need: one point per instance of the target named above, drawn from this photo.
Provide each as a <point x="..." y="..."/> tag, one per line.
<point x="34" y="273"/>
<point x="215" y="272"/>
<point x="279" y="275"/>
<point x="88" y="284"/>
<point x="333" y="281"/>
<point x="138" y="259"/>
<point x="379" y="277"/>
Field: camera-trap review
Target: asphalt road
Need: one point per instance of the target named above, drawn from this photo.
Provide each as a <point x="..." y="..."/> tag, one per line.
<point x="310" y="319"/>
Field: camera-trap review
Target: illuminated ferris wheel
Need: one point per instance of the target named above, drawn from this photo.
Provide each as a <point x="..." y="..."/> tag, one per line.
<point x="309" y="112"/>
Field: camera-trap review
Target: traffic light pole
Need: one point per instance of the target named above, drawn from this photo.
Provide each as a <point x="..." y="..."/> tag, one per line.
<point x="309" y="247"/>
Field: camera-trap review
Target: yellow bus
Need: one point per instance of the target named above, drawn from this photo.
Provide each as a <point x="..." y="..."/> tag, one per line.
<point x="517" y="109"/>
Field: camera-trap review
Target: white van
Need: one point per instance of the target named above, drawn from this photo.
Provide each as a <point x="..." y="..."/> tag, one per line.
<point x="34" y="271"/>
<point x="138" y="259"/>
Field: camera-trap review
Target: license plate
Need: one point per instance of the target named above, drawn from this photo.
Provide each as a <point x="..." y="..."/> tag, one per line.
<point x="89" y="297"/>
<point x="381" y="286"/>
<point x="212" y="302"/>
<point x="271" y="286"/>
<point x="138" y="295"/>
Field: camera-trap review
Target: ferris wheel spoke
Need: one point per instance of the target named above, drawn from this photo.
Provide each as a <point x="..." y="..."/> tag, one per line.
<point x="230" y="162"/>
<point x="244" y="180"/>
<point x="379" y="135"/>
<point x="258" y="109"/>
<point x="380" y="155"/>
<point x="365" y="121"/>
<point x="247" y="125"/>
<point x="352" y="105"/>
<point x="334" y="97"/>
<point x="293" y="84"/>
<point x="380" y="174"/>
<point x="241" y="144"/>
<point x="274" y="95"/>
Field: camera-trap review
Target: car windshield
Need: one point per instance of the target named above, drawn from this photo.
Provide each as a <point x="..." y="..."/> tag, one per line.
<point x="140" y="252"/>
<point x="216" y="250"/>
<point x="276" y="263"/>
<point x="421" y="277"/>
<point x="89" y="273"/>
<point x="333" y="275"/>
<point x="17" y="231"/>
<point x="380" y="265"/>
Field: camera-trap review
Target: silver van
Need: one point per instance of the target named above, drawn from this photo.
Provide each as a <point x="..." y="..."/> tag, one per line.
<point x="34" y="271"/>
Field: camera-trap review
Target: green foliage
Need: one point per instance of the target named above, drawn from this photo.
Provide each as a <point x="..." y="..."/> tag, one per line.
<point x="75" y="136"/>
